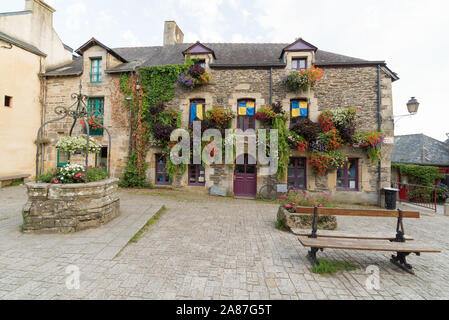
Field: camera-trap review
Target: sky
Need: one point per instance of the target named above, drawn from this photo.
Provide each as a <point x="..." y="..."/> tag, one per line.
<point x="410" y="35"/>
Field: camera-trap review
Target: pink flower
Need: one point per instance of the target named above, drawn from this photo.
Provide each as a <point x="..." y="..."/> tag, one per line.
<point x="288" y="206"/>
<point x="282" y="197"/>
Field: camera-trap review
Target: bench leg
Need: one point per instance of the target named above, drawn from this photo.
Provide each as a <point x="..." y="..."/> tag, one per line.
<point x="312" y="256"/>
<point x="401" y="261"/>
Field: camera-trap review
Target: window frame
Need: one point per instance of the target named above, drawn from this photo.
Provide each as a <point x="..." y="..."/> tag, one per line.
<point x="9" y="99"/>
<point x="250" y="118"/>
<point x="99" y="102"/>
<point x="97" y="74"/>
<point x="346" y="179"/>
<point x="197" y="175"/>
<point x="197" y="101"/>
<point x="58" y="157"/>
<point x="298" y="68"/>
<point x="296" y="167"/>
<point x="299" y="100"/>
<point x="158" y="156"/>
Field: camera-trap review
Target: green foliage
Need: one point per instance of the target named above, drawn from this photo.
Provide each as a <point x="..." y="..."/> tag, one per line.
<point x="280" y="225"/>
<point x="96" y="174"/>
<point x="279" y="123"/>
<point x="422" y="175"/>
<point x="132" y="177"/>
<point x="331" y="267"/>
<point x="46" y="177"/>
<point x="174" y="170"/>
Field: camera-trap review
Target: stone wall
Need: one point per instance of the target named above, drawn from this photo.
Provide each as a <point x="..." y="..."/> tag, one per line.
<point x="340" y="87"/>
<point x="54" y="208"/>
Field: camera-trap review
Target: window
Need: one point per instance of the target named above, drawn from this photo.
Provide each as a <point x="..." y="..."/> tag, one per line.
<point x="197" y="110"/>
<point x="101" y="159"/>
<point x="197" y="176"/>
<point x="246" y="114"/>
<point x="95" y="70"/>
<point x="95" y="111"/>
<point x="296" y="174"/>
<point x="299" y="64"/>
<point x="63" y="159"/>
<point x="298" y="109"/>
<point x="162" y="176"/>
<point x="348" y="176"/>
<point x="202" y="63"/>
<point x="8" y="101"/>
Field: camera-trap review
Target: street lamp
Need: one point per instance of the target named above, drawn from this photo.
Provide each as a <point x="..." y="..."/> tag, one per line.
<point x="412" y="107"/>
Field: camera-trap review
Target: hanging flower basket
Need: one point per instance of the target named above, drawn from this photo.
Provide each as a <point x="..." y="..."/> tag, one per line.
<point x="304" y="79"/>
<point x="74" y="144"/>
<point x="194" y="77"/>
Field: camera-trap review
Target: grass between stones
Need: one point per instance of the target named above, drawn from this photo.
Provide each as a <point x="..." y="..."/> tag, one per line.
<point x="3" y="219"/>
<point x="147" y="225"/>
<point x="332" y="267"/>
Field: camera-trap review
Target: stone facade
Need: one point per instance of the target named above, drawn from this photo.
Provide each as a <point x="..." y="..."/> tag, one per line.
<point x="342" y="86"/>
<point x="53" y="208"/>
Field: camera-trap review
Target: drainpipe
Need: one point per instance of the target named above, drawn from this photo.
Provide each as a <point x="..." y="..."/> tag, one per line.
<point x="44" y="104"/>
<point x="271" y="86"/>
<point x="379" y="128"/>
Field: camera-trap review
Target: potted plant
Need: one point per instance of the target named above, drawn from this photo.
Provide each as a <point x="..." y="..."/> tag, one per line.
<point x="265" y="114"/>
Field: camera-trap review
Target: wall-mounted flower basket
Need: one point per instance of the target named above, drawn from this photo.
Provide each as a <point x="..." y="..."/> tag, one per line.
<point x="303" y="80"/>
<point x="196" y="76"/>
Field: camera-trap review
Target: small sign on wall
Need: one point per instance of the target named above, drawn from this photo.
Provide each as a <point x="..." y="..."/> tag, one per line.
<point x="281" y="188"/>
<point x="389" y="140"/>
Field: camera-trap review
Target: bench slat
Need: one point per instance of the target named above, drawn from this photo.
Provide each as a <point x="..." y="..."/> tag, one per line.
<point x="358" y="212"/>
<point x="366" y="245"/>
<point x="20" y="176"/>
<point x="344" y="235"/>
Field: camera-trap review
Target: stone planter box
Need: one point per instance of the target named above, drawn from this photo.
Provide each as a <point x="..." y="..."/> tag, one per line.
<point x="63" y="208"/>
<point x="304" y="221"/>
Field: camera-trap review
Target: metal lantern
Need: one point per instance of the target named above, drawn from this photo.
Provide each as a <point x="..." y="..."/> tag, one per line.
<point x="413" y="106"/>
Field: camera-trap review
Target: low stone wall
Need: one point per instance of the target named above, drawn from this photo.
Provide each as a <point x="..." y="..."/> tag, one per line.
<point x="58" y="208"/>
<point x="304" y="221"/>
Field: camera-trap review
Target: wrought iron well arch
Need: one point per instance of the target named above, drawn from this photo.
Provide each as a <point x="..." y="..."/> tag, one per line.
<point x="79" y="113"/>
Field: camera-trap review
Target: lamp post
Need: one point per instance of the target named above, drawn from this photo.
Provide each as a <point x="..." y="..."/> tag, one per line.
<point x="412" y="107"/>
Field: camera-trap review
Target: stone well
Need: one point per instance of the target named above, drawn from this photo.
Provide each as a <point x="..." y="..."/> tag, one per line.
<point x="63" y="208"/>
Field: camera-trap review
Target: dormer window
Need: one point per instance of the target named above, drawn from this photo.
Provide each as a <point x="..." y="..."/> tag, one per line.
<point x="299" y="64"/>
<point x="95" y="70"/>
<point x="202" y="63"/>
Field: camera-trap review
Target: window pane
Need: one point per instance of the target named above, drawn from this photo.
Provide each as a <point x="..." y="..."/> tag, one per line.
<point x="302" y="64"/>
<point x="294" y="64"/>
<point x="250" y="169"/>
<point x="340" y="178"/>
<point x="240" y="169"/>
<point x="291" y="182"/>
<point x="352" y="169"/>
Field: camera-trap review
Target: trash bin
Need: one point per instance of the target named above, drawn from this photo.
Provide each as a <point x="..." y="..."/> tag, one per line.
<point x="390" y="198"/>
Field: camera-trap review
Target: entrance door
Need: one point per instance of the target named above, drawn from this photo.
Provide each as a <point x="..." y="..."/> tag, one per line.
<point x="245" y="178"/>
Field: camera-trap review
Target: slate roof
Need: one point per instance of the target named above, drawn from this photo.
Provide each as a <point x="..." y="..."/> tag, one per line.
<point x="420" y="149"/>
<point x="21" y="44"/>
<point x="227" y="55"/>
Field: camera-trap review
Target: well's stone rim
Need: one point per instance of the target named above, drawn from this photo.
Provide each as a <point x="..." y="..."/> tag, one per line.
<point x="71" y="185"/>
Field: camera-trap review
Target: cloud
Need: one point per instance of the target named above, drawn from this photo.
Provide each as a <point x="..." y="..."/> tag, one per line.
<point x="131" y="38"/>
<point x="76" y="14"/>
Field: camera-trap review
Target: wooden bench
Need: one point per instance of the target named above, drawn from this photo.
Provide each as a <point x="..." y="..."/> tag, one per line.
<point x="400" y="243"/>
<point x="16" y="177"/>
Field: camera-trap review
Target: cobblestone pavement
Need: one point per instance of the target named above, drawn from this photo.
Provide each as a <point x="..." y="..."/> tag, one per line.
<point x="205" y="248"/>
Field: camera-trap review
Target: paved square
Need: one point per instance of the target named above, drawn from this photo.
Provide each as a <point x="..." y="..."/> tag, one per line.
<point x="204" y="248"/>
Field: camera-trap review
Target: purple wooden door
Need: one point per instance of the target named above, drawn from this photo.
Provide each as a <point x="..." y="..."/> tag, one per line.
<point x="245" y="178"/>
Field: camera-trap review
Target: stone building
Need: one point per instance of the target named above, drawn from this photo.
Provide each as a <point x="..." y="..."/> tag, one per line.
<point x="28" y="47"/>
<point x="242" y="72"/>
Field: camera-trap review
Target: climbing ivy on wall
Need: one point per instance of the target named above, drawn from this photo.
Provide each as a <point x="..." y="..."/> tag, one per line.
<point x="424" y="175"/>
<point x="280" y="123"/>
<point x="150" y="88"/>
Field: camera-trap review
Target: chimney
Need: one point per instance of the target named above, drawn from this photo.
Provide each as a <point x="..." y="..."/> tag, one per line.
<point x="172" y="33"/>
<point x="41" y="9"/>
